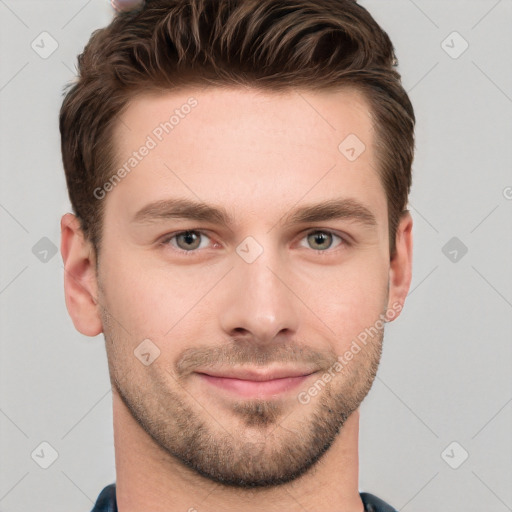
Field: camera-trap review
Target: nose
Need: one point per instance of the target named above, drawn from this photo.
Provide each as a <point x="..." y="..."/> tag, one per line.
<point x="258" y="302"/>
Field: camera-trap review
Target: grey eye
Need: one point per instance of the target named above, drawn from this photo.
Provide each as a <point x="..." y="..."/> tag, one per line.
<point x="321" y="240"/>
<point x="188" y="240"/>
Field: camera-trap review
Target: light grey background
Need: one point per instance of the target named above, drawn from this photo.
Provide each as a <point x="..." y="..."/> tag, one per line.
<point x="446" y="371"/>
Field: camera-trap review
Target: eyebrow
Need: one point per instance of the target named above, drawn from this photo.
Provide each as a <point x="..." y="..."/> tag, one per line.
<point x="180" y="208"/>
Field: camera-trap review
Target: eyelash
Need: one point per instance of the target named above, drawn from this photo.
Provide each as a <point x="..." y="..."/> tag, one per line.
<point x="165" y="241"/>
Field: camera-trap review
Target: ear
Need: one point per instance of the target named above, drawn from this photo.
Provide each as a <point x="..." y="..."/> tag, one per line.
<point x="400" y="270"/>
<point x="80" y="280"/>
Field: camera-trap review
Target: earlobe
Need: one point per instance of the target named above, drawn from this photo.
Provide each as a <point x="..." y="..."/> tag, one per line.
<point x="400" y="270"/>
<point x="80" y="280"/>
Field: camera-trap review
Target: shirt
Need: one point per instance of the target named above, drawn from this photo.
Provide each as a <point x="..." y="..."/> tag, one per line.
<point x="106" y="501"/>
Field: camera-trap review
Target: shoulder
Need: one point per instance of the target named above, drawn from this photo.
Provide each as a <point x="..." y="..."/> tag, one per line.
<point x="373" y="504"/>
<point x="106" y="501"/>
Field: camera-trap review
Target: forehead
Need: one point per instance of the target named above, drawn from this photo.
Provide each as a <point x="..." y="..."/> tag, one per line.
<point x="328" y="111"/>
<point x="228" y="144"/>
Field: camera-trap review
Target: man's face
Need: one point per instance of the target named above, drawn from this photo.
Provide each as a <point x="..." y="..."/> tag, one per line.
<point x="265" y="292"/>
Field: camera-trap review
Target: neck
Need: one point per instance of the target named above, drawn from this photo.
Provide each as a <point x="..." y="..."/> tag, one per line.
<point x="147" y="478"/>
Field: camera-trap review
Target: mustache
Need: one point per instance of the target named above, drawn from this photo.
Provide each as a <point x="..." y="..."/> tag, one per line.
<point x="252" y="353"/>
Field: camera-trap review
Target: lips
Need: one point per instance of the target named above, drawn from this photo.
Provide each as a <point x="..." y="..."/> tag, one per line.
<point x="256" y="383"/>
<point x="258" y="375"/>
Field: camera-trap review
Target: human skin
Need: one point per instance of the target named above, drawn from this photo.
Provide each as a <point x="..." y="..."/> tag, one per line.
<point x="182" y="443"/>
<point x="126" y="5"/>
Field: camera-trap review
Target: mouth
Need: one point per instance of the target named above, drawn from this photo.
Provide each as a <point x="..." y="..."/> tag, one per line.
<point x="252" y="383"/>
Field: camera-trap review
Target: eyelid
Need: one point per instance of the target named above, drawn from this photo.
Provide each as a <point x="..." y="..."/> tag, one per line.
<point x="345" y="239"/>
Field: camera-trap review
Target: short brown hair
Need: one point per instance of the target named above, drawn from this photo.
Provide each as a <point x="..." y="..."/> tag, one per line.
<point x="266" y="44"/>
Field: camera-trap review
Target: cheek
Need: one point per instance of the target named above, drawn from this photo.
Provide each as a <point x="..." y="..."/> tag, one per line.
<point x="149" y="301"/>
<point x="352" y="299"/>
